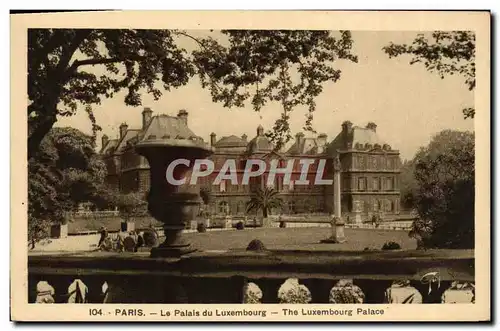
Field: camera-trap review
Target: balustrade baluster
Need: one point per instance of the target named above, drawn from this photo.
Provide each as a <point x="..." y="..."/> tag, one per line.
<point x="45" y="293"/>
<point x="291" y="291"/>
<point x="460" y="292"/>
<point x="251" y="293"/>
<point x="344" y="291"/>
<point x="77" y="292"/>
<point x="431" y="292"/>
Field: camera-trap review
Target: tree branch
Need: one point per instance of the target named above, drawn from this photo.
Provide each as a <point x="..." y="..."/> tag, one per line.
<point x="79" y="63"/>
<point x="180" y="33"/>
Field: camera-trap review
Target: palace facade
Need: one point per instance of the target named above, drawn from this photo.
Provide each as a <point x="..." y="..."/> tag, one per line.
<point x="369" y="167"/>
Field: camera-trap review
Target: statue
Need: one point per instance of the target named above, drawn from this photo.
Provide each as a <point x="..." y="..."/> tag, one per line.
<point x="336" y="163"/>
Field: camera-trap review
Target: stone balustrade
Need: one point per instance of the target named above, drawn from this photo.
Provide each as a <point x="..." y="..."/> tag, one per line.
<point x="420" y="276"/>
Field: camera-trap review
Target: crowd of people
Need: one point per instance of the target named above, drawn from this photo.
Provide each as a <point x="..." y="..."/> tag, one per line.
<point x="126" y="241"/>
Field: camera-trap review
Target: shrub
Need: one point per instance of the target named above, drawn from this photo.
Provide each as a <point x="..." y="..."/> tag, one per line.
<point x="201" y="227"/>
<point x="282" y="224"/>
<point x="445" y="194"/>
<point x="256" y="245"/>
<point x="150" y="238"/>
<point x="240" y="226"/>
<point x="390" y="245"/>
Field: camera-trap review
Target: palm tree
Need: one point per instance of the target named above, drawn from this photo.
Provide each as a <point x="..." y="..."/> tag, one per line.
<point x="264" y="200"/>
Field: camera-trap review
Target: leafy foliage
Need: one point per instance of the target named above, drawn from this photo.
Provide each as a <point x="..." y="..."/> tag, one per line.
<point x="206" y="195"/>
<point x="391" y="245"/>
<point x="445" y="173"/>
<point x="133" y="59"/>
<point x="264" y="200"/>
<point x="408" y="184"/>
<point x="240" y="226"/>
<point x="289" y="67"/>
<point x="64" y="173"/>
<point x="448" y="53"/>
<point x="59" y="78"/>
<point x="201" y="227"/>
<point x="131" y="204"/>
<point x="256" y="245"/>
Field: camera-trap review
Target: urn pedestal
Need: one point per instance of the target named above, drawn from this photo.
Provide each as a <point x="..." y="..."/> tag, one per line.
<point x="172" y="199"/>
<point x="338" y="234"/>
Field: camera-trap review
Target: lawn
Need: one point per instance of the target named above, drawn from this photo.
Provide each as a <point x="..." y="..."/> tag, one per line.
<point x="273" y="238"/>
<point x="298" y="239"/>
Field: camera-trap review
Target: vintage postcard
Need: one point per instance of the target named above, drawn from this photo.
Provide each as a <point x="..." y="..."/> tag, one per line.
<point x="250" y="166"/>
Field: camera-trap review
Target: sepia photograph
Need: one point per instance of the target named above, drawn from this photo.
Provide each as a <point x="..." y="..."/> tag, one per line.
<point x="326" y="172"/>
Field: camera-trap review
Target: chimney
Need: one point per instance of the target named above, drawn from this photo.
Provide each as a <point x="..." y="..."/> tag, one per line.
<point x="346" y="133"/>
<point x="146" y="117"/>
<point x="183" y="116"/>
<point x="299" y="137"/>
<point x="322" y="138"/>
<point x="244" y="137"/>
<point x="104" y="140"/>
<point x="213" y="139"/>
<point x="372" y="126"/>
<point x="123" y="129"/>
<point x="346" y="127"/>
<point x="260" y="130"/>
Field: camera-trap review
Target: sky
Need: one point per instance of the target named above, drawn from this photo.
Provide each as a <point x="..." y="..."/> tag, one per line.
<point x="408" y="103"/>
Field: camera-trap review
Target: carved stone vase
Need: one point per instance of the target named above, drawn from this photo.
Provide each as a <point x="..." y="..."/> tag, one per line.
<point x="173" y="205"/>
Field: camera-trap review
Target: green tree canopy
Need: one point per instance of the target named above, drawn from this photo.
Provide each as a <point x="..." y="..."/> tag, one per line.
<point x="408" y="184"/>
<point x="64" y="173"/>
<point x="445" y="174"/>
<point x="252" y="65"/>
<point x="206" y="194"/>
<point x="131" y="204"/>
<point x="445" y="53"/>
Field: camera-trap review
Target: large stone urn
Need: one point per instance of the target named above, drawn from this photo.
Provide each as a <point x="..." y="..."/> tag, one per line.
<point x="173" y="205"/>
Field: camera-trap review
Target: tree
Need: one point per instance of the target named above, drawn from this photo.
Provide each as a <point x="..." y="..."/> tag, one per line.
<point x="206" y="194"/>
<point x="445" y="173"/>
<point x="59" y="78"/>
<point x="264" y="200"/>
<point x="64" y="173"/>
<point x="448" y="53"/>
<point x="408" y="184"/>
<point x="131" y="204"/>
<point x="284" y="66"/>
